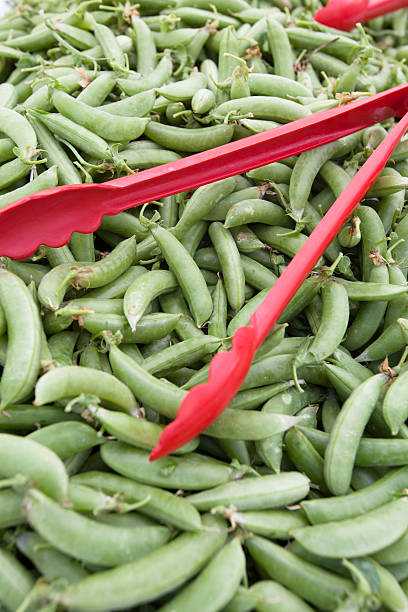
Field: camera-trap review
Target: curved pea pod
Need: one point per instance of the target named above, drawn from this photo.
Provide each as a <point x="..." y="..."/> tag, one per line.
<point x="272" y="596"/>
<point x="346" y="433"/>
<point x="264" y="107"/>
<point x="229" y="258"/>
<point x="149" y="328"/>
<point x="149" y="578"/>
<point x="333" y="324"/>
<point x="372" y="452"/>
<point x="275" y="172"/>
<point x="19" y="455"/>
<point x="11" y="508"/>
<point x="15" y="581"/>
<point x="255" y="211"/>
<point x="251" y="425"/>
<point x="215" y="585"/>
<point x="71" y="381"/>
<point x="24" y="339"/>
<point x="203" y="101"/>
<point x="360" y="291"/>
<point x="88" y="540"/>
<point x="316" y="585"/>
<point x="191" y="140"/>
<point x="395" y="405"/>
<point x="138" y="105"/>
<point x="159" y="504"/>
<point x="184" y="90"/>
<point x="143" y="291"/>
<point x="349" y="236"/>
<point x="275" y="85"/>
<point x="252" y="493"/>
<point x="156" y="78"/>
<point x="67" y="438"/>
<point x="357" y="503"/>
<point x="77" y="135"/>
<point x="163" y="397"/>
<point x="147" y="158"/>
<point x="50" y="562"/>
<point x="392" y="339"/>
<point x="187" y="273"/>
<point x="190" y="472"/>
<point x="359" y="536"/>
<point x="271" y="523"/>
<point x="181" y="354"/>
<point x="54" y="284"/>
<point x="26" y="417"/>
<point x="107" y="269"/>
<point x="397" y="552"/>
<point x="136" y="432"/>
<point x="280" y="238"/>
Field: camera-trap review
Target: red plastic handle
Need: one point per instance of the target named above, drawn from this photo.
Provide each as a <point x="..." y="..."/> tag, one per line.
<point x="228" y="369"/>
<point x="345" y="14"/>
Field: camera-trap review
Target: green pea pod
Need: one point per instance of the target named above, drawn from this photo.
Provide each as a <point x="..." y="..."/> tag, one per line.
<point x="16" y="581"/>
<point x="66" y="438"/>
<point x="192" y="472"/>
<point x="135" y="583"/>
<point x="50" y="562"/>
<point x="104" y="545"/>
<point x="24" y="339"/>
<point x="187" y="274"/>
<point x="158" y="503"/>
<point x="71" y="381"/>
<point x="255" y="493"/>
<point x="347" y="431"/>
<point x="395" y="408"/>
<point x="39" y="464"/>
<point x="334" y="320"/>
<point x="143" y="290"/>
<point x="136" y="432"/>
<point x="343" y="507"/>
<point x="388" y="523"/>
<point x="215" y="584"/>
<point x="268" y="591"/>
<point x="321" y="588"/>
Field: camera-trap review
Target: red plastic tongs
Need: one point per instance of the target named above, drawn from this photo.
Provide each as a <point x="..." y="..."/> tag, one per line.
<point x="50" y="217"/>
<point x="345" y="14"/>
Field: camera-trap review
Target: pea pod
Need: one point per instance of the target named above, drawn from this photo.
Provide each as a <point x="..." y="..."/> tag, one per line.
<point x="24" y="339"/>
<point x="137" y="582"/>
<point x="388" y="523"/>
<point x="71" y="381"/>
<point x="110" y="546"/>
<point x="191" y="472"/>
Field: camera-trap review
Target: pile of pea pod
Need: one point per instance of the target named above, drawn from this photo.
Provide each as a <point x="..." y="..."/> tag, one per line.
<point x="296" y="497"/>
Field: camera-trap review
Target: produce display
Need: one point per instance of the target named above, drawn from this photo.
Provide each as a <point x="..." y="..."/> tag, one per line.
<point x="295" y="498"/>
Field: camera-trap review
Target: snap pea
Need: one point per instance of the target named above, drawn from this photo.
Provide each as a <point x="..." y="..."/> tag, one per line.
<point x="48" y="560"/>
<point x="359" y="502"/>
<point x="24" y="340"/>
<point x="138" y="582"/>
<point x="15" y="580"/>
<point x="187" y="274"/>
<point x="71" y="381"/>
<point x="216" y="583"/>
<point x="66" y="438"/>
<point x="318" y="586"/>
<point x="191" y="472"/>
<point x="111" y="545"/>
<point x="159" y="504"/>
<point x="255" y="493"/>
<point x="359" y="540"/>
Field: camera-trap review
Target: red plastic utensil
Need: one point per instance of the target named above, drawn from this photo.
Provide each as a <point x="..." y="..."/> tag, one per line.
<point x="50" y="217"/>
<point x="205" y="402"/>
<point x="345" y="14"/>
